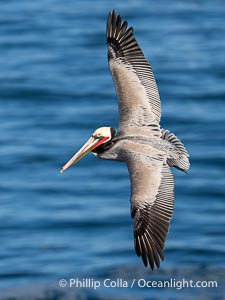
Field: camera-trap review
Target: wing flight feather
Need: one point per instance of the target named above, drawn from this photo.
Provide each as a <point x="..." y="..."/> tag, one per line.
<point x="139" y="101"/>
<point x="152" y="203"/>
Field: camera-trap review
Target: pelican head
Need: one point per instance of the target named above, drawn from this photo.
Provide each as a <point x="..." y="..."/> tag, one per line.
<point x="96" y="143"/>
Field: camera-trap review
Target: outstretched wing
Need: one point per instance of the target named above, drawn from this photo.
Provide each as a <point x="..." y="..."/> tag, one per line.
<point x="139" y="101"/>
<point x="152" y="203"/>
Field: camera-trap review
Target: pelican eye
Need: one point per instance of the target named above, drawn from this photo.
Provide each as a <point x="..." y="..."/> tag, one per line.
<point x="98" y="136"/>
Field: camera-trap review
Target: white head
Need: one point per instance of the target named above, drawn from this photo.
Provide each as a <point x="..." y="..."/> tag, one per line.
<point x="99" y="138"/>
<point x="102" y="133"/>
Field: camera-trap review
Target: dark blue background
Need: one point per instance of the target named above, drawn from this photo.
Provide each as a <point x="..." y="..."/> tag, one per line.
<point x="55" y="90"/>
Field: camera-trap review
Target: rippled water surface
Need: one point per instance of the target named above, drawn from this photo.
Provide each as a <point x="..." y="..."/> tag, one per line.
<point x="55" y="89"/>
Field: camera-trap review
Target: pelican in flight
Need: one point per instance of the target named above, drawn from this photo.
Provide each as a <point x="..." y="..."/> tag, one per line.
<point x="148" y="150"/>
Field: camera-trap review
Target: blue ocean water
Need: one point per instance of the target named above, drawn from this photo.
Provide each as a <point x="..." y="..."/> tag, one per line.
<point x="55" y="90"/>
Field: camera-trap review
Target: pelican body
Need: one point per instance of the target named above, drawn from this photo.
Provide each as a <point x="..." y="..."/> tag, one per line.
<point x="148" y="150"/>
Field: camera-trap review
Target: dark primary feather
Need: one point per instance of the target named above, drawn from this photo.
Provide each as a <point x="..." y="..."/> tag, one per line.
<point x="123" y="48"/>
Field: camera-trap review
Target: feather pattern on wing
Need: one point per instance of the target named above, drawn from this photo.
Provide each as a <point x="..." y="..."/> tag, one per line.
<point x="152" y="203"/>
<point x="139" y="101"/>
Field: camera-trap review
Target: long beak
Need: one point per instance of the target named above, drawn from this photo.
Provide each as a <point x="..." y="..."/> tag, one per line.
<point x="92" y="143"/>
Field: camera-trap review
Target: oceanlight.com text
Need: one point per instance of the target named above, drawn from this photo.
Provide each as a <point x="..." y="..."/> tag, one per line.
<point x="140" y="283"/>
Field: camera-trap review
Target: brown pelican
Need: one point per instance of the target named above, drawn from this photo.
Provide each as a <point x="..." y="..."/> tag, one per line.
<point x="148" y="150"/>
